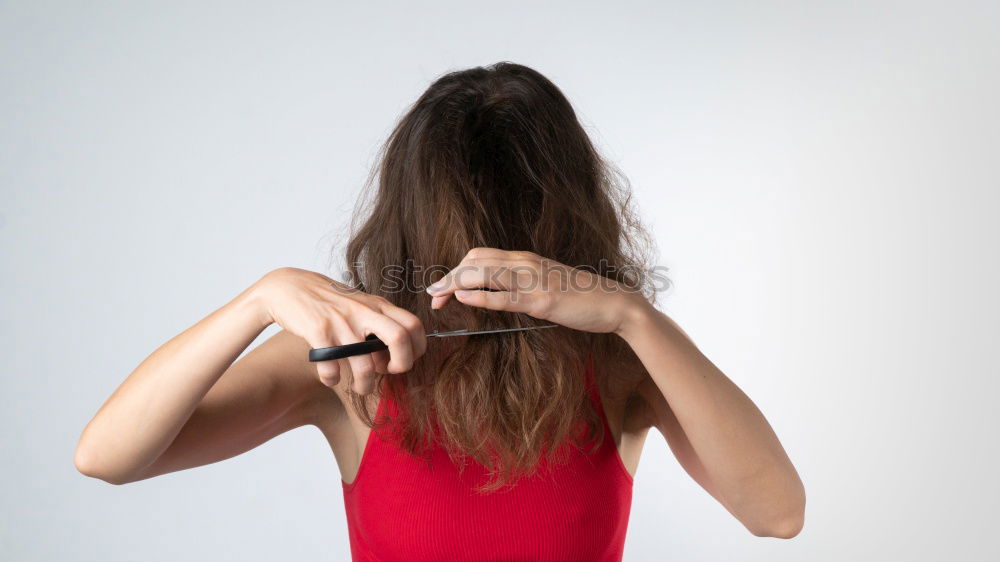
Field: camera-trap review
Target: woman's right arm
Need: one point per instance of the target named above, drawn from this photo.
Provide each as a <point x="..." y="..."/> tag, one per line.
<point x="188" y="404"/>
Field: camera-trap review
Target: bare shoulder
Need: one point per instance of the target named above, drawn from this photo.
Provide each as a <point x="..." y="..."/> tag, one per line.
<point x="626" y="415"/>
<point x="333" y="412"/>
<point x="643" y="398"/>
<point x="284" y="360"/>
<point x="651" y="409"/>
<point x="318" y="404"/>
<point x="623" y="400"/>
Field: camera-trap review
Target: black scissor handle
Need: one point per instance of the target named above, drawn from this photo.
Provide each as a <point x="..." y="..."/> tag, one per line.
<point x="370" y="345"/>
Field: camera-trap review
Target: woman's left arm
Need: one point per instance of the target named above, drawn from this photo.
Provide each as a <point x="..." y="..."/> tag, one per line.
<point x="722" y="438"/>
<point x="742" y="463"/>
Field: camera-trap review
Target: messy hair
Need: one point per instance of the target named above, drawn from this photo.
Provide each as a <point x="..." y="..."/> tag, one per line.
<point x="495" y="157"/>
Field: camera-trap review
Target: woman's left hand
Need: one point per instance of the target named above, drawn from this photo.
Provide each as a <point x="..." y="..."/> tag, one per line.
<point x="540" y="287"/>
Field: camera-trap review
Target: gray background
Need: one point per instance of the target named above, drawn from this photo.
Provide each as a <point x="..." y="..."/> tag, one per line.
<point x="822" y="178"/>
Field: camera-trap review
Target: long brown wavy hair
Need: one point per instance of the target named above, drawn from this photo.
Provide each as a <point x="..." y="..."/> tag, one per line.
<point x="495" y="157"/>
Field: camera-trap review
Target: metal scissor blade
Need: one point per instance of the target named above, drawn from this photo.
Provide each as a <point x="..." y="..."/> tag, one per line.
<point x="466" y="332"/>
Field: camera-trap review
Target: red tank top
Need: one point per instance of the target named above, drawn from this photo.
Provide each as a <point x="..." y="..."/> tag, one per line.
<point x="400" y="508"/>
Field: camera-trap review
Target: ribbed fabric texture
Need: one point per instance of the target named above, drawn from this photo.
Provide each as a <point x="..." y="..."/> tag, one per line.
<point x="399" y="508"/>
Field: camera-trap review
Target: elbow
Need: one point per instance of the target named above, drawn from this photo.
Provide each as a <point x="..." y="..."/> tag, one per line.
<point x="87" y="464"/>
<point x="785" y="520"/>
<point x="785" y="528"/>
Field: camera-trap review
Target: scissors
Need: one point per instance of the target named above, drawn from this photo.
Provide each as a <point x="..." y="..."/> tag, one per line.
<point x="373" y="344"/>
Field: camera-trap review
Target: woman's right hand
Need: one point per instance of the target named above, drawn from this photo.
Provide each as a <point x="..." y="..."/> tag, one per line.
<point x="326" y="313"/>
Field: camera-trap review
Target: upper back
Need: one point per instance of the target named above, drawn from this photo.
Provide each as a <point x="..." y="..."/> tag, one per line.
<point x="403" y="507"/>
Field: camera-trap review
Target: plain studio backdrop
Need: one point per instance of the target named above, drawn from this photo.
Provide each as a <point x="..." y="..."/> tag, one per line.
<point x="821" y="177"/>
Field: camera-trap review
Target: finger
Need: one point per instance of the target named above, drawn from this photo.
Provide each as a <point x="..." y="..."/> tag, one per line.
<point x="411" y="323"/>
<point x="328" y="372"/>
<point x="495" y="275"/>
<point x="497" y="300"/>
<point x="482" y="252"/>
<point x="438" y="302"/>
<point x="336" y="330"/>
<point x="363" y="372"/>
<point x="381" y="360"/>
<point x="395" y="337"/>
<point x="480" y="256"/>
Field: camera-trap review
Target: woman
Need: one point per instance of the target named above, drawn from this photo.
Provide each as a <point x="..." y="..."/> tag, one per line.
<point x="518" y="445"/>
